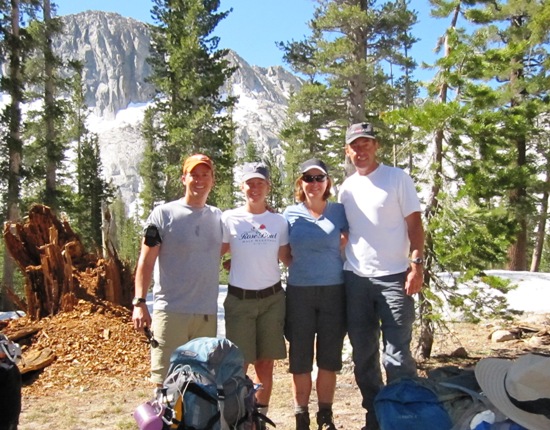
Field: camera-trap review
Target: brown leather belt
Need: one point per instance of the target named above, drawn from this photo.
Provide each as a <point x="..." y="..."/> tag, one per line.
<point x="254" y="294"/>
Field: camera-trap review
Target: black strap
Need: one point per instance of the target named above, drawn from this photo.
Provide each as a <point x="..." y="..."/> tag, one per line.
<point x="536" y="406"/>
<point x="197" y="390"/>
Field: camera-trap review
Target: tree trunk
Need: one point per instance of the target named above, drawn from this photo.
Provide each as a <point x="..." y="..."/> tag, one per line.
<point x="52" y="157"/>
<point x="426" y="337"/>
<point x="541" y="225"/>
<point x="517" y="252"/>
<point x="14" y="143"/>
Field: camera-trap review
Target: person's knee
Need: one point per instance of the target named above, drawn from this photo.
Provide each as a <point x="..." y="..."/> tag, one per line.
<point x="264" y="368"/>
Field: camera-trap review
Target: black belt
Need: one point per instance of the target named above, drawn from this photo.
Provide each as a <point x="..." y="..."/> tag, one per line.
<point x="254" y="294"/>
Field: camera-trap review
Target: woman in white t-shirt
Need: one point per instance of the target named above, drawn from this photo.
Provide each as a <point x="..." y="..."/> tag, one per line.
<point x="255" y="305"/>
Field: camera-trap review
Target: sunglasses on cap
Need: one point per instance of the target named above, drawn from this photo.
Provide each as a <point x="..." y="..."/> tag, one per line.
<point x="317" y="178"/>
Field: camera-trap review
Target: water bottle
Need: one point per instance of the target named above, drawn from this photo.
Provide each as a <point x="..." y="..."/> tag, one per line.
<point x="149" y="416"/>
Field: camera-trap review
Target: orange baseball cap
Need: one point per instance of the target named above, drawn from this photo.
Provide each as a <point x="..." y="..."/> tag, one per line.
<point x="194" y="160"/>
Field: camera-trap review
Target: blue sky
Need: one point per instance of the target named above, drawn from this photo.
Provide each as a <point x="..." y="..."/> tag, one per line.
<point x="255" y="25"/>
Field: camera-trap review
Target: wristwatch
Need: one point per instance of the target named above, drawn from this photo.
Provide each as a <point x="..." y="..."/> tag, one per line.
<point x="417" y="260"/>
<point x="138" y="300"/>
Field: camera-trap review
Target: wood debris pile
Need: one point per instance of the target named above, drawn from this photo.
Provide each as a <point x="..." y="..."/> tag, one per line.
<point x="93" y="344"/>
<point x="78" y="329"/>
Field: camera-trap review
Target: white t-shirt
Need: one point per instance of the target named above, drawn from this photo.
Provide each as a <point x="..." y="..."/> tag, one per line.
<point x="255" y="240"/>
<point x="376" y="207"/>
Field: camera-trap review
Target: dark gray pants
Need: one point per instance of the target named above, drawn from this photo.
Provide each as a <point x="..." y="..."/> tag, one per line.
<point x="379" y="306"/>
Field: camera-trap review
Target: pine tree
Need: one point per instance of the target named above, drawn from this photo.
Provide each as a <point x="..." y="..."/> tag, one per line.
<point x="15" y="44"/>
<point x="150" y="168"/>
<point x="46" y="151"/>
<point x="189" y="72"/>
<point x="94" y="191"/>
<point x="128" y="232"/>
<point x="251" y="152"/>
<point x="345" y="60"/>
<point x="85" y="203"/>
<point x="471" y="118"/>
<point x="504" y="111"/>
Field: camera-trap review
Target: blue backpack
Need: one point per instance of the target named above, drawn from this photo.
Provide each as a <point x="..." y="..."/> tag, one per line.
<point x="206" y="388"/>
<point x="410" y="404"/>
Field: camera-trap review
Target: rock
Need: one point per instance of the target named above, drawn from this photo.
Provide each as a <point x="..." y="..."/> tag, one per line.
<point x="114" y="51"/>
<point x="502" y="336"/>
<point x="460" y="353"/>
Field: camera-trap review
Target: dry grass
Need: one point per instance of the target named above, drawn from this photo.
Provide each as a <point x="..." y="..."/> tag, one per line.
<point x="107" y="402"/>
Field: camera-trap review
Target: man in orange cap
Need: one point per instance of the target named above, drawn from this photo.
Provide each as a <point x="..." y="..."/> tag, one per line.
<point x="181" y="245"/>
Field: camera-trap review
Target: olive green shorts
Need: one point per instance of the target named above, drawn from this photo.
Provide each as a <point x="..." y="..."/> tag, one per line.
<point x="256" y="326"/>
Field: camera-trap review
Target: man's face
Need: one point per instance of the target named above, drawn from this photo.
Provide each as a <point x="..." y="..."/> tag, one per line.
<point x="362" y="153"/>
<point x="199" y="181"/>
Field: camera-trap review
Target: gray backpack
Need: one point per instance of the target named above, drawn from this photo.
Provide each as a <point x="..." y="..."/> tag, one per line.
<point x="206" y="388"/>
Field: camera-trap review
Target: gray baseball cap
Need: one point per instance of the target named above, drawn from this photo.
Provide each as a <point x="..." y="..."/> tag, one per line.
<point x="313" y="163"/>
<point x="255" y="170"/>
<point x="362" y="129"/>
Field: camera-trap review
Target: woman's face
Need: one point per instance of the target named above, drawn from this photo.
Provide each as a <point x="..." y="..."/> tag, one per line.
<point x="314" y="184"/>
<point x="255" y="190"/>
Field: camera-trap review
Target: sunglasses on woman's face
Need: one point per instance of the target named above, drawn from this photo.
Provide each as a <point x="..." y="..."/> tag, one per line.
<point x="317" y="178"/>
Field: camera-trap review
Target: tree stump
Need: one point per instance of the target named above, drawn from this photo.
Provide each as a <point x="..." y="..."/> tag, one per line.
<point x="57" y="269"/>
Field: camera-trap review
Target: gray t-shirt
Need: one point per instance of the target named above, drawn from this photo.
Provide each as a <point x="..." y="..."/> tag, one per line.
<point x="187" y="269"/>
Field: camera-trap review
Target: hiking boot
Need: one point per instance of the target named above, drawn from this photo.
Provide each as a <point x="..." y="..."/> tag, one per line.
<point x="302" y="421"/>
<point x="372" y="424"/>
<point x="260" y="425"/>
<point x="324" y="420"/>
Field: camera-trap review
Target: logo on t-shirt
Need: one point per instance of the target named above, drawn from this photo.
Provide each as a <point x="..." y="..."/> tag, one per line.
<point x="258" y="233"/>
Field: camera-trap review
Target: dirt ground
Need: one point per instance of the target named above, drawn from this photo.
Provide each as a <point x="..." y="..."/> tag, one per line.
<point x="100" y="372"/>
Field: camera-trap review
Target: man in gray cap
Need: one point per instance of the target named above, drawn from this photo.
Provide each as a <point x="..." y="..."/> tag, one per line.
<point x="384" y="265"/>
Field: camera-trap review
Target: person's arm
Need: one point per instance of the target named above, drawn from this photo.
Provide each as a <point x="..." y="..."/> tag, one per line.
<point x="344" y="237"/>
<point x="144" y="272"/>
<point x="284" y="255"/>
<point x="226" y="264"/>
<point x="415" y="230"/>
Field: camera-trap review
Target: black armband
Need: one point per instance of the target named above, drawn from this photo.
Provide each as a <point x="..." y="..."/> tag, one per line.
<point x="151" y="236"/>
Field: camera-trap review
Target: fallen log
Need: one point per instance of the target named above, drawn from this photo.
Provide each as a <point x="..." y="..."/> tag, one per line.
<point x="36" y="360"/>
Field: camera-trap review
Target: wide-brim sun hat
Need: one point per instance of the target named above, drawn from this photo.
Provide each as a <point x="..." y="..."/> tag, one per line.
<point x="520" y="388"/>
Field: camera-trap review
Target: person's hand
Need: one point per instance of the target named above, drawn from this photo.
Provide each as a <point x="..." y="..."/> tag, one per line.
<point x="415" y="279"/>
<point x="141" y="317"/>
<point x="227" y="264"/>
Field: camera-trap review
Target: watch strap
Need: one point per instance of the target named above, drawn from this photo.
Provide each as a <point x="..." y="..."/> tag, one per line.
<point x="417" y="260"/>
<point x="138" y="300"/>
